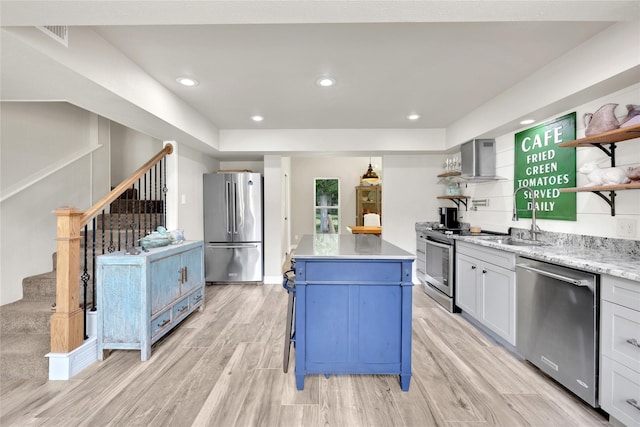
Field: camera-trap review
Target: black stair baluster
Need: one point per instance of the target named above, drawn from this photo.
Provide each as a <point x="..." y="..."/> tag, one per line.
<point x="155" y="196"/>
<point x="112" y="248"/>
<point x="140" y="209"/>
<point x="93" y="264"/>
<point x="85" y="280"/>
<point x="102" y="236"/>
<point x="163" y="165"/>
<point x="119" y="226"/>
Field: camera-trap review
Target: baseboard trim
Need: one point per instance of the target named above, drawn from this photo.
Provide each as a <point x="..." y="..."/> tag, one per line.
<point x="272" y="280"/>
<point x="64" y="366"/>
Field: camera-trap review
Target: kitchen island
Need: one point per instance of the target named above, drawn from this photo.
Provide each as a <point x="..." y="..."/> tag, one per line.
<point x="353" y="307"/>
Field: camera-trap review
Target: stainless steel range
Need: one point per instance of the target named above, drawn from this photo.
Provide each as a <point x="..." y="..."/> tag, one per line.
<point x="435" y="258"/>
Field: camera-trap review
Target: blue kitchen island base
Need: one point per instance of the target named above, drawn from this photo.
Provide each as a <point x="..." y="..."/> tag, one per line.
<point x="353" y="307"/>
<point x="404" y="380"/>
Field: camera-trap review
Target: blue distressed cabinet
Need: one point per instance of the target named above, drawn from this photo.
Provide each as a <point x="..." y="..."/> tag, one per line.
<point x="353" y="307"/>
<point x="142" y="297"/>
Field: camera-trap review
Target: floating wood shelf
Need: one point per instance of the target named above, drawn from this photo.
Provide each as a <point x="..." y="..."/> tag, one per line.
<point x="611" y="137"/>
<point x="631" y="186"/>
<point x="448" y="174"/>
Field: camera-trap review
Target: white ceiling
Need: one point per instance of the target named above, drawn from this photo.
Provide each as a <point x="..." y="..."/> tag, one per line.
<point x="441" y="59"/>
<point x="383" y="71"/>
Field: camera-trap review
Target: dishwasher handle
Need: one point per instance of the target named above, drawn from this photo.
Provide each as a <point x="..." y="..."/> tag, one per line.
<point x="576" y="282"/>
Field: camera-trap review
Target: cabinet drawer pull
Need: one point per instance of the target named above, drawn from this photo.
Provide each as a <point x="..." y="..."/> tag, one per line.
<point x="183" y="309"/>
<point x="198" y="298"/>
<point x="186" y="275"/>
<point x="164" y="323"/>
<point x="473" y="267"/>
<point x="484" y="271"/>
<point x="634" y="403"/>
<point x="633" y="342"/>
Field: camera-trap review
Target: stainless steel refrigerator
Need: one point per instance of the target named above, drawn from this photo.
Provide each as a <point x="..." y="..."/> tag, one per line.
<point x="233" y="227"/>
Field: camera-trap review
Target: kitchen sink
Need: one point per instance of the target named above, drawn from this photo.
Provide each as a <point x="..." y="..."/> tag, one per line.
<point x="512" y="241"/>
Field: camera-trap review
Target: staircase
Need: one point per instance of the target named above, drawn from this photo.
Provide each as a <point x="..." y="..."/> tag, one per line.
<point x="25" y="330"/>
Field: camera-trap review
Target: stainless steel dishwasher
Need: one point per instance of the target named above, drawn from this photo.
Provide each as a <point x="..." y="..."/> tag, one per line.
<point x="557" y="318"/>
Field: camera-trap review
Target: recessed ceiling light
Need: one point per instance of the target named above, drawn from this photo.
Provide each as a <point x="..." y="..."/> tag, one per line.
<point x="187" y="81"/>
<point x="257" y="118"/>
<point x="413" y="116"/>
<point x="527" y="122"/>
<point x="326" y="81"/>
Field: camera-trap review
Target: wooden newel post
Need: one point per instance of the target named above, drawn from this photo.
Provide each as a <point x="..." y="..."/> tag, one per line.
<point x="67" y="321"/>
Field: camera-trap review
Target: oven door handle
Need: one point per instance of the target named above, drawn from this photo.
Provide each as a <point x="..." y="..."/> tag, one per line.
<point x="440" y="245"/>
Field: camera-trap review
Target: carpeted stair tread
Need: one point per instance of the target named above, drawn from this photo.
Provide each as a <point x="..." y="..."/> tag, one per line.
<point x="22" y="356"/>
<point x="30" y="317"/>
<point x="41" y="287"/>
<point x="25" y="325"/>
<point x="17" y="344"/>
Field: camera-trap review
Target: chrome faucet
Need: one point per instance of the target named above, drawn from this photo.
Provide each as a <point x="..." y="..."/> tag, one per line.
<point x="535" y="230"/>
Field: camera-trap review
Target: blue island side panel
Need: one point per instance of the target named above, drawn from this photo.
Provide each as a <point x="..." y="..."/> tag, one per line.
<point x="353" y="316"/>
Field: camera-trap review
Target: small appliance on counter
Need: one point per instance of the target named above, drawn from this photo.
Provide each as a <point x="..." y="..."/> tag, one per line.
<point x="448" y="217"/>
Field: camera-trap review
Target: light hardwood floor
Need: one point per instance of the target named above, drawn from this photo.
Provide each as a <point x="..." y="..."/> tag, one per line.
<point x="223" y="367"/>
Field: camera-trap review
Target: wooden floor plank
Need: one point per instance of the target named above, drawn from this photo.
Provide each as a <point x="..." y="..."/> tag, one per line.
<point x="191" y="396"/>
<point x="261" y="404"/>
<point x="224" y="402"/>
<point x="298" y="415"/>
<point x="446" y="386"/>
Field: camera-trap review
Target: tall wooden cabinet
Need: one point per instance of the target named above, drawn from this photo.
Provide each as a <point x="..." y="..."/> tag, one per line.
<point x="368" y="200"/>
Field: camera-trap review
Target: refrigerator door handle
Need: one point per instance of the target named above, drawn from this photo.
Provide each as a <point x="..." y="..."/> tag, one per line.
<point x="234" y="246"/>
<point x="235" y="208"/>
<point x="227" y="197"/>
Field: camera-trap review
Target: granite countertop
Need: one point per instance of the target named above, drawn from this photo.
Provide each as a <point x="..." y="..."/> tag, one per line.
<point x="366" y="246"/>
<point x="615" y="257"/>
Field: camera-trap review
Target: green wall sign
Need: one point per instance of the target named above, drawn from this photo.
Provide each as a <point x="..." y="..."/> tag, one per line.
<point x="545" y="168"/>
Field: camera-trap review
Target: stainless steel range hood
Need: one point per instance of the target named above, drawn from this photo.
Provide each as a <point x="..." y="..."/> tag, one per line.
<point x="479" y="160"/>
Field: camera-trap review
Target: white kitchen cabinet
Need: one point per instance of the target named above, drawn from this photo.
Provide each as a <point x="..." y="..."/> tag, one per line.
<point x="620" y="349"/>
<point x="486" y="287"/>
<point x="467" y="284"/>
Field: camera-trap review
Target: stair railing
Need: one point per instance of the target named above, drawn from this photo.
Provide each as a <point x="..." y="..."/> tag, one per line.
<point x="68" y="321"/>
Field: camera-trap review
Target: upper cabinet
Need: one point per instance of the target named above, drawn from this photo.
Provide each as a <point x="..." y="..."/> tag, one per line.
<point x="606" y="141"/>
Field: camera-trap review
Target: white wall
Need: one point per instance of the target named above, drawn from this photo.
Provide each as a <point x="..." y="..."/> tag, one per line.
<point x="593" y="214"/>
<point x="340" y="142"/>
<point x="286" y="206"/>
<point x="303" y="172"/>
<point x="34" y="135"/>
<point x="409" y="195"/>
<point x="273" y="220"/>
<point x="189" y="196"/>
<point x="100" y="160"/>
<point x="129" y="150"/>
<point x="253" y="166"/>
